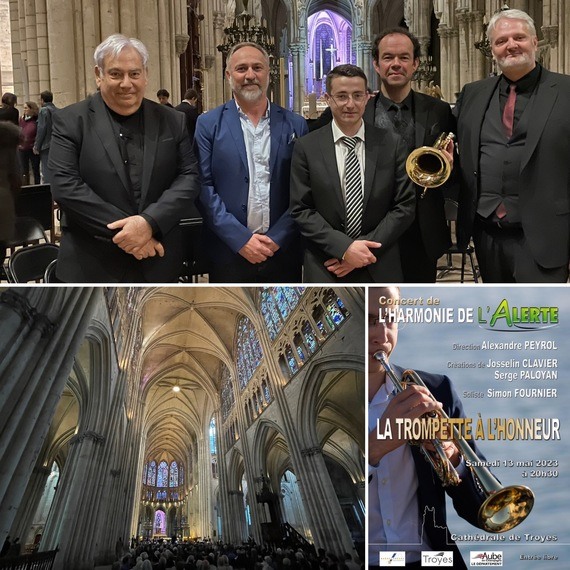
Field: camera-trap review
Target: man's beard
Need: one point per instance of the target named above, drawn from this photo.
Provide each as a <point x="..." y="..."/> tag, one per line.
<point x="247" y="94"/>
<point x="517" y="61"/>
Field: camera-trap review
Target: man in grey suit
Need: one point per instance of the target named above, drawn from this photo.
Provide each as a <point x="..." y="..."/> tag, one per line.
<point x="124" y="174"/>
<point x="514" y="144"/>
<point x="43" y="136"/>
<point x="350" y="193"/>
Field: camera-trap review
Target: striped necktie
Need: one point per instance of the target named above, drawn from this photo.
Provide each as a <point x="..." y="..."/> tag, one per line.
<point x="353" y="189"/>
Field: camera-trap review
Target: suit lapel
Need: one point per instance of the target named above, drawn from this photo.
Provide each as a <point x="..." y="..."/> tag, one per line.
<point x="329" y="158"/>
<point x="371" y="153"/>
<point x="234" y="126"/>
<point x="276" y="123"/>
<point x="421" y="118"/>
<point x="152" y="125"/>
<point x="478" y="109"/>
<point x="542" y="105"/>
<point x="101" y="125"/>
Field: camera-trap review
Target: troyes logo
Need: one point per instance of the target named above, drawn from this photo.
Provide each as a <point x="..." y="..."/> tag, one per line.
<point x="486" y="558"/>
<point x="437" y="559"/>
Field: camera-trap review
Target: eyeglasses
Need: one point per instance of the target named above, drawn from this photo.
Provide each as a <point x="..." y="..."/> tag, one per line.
<point x="342" y="98"/>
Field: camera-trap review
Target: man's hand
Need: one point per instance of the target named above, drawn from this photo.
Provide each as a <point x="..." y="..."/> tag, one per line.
<point x="338" y="267"/>
<point x="448" y="151"/>
<point x="135" y="232"/>
<point x="150" y="249"/>
<point x="35" y="150"/>
<point x="258" y="248"/>
<point x="358" y="253"/>
<point x="413" y="402"/>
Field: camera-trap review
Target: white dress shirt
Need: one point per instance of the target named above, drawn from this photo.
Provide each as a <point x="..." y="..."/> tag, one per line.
<point x="341" y="151"/>
<point x="257" y="141"/>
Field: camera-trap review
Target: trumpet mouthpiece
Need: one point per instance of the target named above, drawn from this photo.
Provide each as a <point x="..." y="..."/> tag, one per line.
<point x="380" y="356"/>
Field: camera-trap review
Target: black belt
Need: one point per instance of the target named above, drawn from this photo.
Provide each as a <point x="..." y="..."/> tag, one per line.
<point x="498" y="224"/>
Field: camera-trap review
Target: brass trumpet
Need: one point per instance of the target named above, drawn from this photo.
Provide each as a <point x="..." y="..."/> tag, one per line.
<point x="428" y="166"/>
<point x="504" y="507"/>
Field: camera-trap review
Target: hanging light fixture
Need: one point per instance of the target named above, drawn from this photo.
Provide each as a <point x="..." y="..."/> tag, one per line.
<point x="484" y="45"/>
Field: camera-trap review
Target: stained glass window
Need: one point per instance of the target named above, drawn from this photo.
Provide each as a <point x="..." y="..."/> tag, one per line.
<point x="277" y="304"/>
<point x="174" y="474"/>
<point x="292" y="363"/>
<point x="181" y="475"/>
<point x="144" y="473"/>
<point x="309" y="335"/>
<point x="227" y="393"/>
<point x="213" y="436"/>
<point x="334" y="305"/>
<point x="318" y="317"/>
<point x="151" y="474"/>
<point x="162" y="479"/>
<point x="298" y="341"/>
<point x="249" y="353"/>
<point x="266" y="392"/>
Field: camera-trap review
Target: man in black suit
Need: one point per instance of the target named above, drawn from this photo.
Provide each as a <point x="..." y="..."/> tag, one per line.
<point x="350" y="194"/>
<point x="403" y="487"/>
<point x="514" y="139"/>
<point x="124" y="174"/>
<point x="419" y="119"/>
<point x="189" y="107"/>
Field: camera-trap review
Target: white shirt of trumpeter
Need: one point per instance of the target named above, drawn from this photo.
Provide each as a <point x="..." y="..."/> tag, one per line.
<point x="257" y="141"/>
<point x="341" y="151"/>
<point x="393" y="519"/>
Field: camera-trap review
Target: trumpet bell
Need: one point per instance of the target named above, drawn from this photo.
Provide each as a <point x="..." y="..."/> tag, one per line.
<point x="506" y="508"/>
<point x="428" y="166"/>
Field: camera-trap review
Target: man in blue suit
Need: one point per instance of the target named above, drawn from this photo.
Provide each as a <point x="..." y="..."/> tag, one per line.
<point x="406" y="508"/>
<point x="244" y="150"/>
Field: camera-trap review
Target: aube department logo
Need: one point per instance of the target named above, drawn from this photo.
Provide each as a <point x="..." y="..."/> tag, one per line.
<point x="393" y="559"/>
<point x="486" y="558"/>
<point x="437" y="559"/>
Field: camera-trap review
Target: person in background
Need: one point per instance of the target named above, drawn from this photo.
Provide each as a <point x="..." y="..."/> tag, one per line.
<point x="43" y="136"/>
<point x="29" y="128"/>
<point x="8" y="111"/>
<point x="163" y="97"/>
<point x="189" y="106"/>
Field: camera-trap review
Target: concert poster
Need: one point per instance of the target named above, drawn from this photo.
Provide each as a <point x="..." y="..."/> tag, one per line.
<point x="507" y="354"/>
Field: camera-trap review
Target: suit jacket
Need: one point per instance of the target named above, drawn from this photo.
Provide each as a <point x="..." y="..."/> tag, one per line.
<point x="544" y="196"/>
<point x="8" y="113"/>
<point x="318" y="205"/>
<point x="90" y="185"/>
<point x="431" y="117"/>
<point x="221" y="152"/>
<point x="466" y="497"/>
<point x="191" y="113"/>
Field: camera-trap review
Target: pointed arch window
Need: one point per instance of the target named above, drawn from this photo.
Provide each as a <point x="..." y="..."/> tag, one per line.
<point x="151" y="474"/>
<point x="309" y="336"/>
<point x="174" y="474"/>
<point x="213" y="447"/>
<point x="249" y="353"/>
<point x="162" y="479"/>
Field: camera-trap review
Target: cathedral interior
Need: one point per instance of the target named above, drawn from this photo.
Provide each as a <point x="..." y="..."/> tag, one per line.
<point x="49" y="44"/>
<point x="228" y="414"/>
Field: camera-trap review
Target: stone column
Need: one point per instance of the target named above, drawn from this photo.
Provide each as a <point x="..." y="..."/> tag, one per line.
<point x="464" y="72"/>
<point x="42" y="330"/>
<point x="298" y="52"/>
<point x="364" y="59"/>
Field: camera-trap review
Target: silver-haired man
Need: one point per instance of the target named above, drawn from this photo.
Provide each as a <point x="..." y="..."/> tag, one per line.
<point x="124" y="174"/>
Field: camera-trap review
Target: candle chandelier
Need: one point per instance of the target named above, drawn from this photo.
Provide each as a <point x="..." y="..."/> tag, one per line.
<point x="484" y="45"/>
<point x="245" y="28"/>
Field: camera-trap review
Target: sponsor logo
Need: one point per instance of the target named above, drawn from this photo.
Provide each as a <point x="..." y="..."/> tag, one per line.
<point x="393" y="559"/>
<point x="486" y="558"/>
<point x="435" y="559"/>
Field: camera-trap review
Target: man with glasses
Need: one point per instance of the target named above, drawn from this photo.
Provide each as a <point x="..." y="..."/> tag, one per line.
<point x="350" y="194"/>
<point x="419" y="119"/>
<point x="406" y="500"/>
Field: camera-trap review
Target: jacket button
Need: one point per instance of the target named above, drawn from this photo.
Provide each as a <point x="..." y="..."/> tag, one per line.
<point x="246" y="180"/>
<point x="244" y="208"/>
<point x="475" y="173"/>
